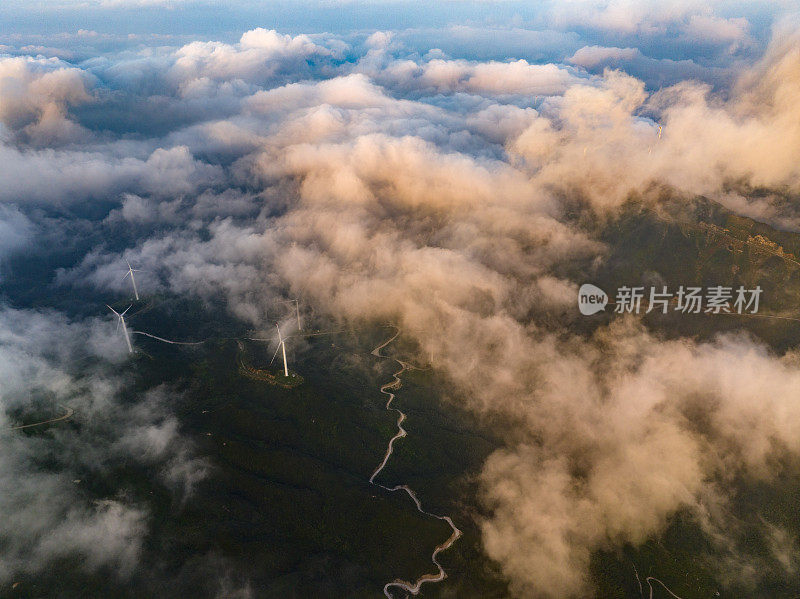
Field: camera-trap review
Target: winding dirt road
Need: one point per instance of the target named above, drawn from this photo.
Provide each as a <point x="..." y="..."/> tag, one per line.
<point x="666" y="588"/>
<point x="411" y="587"/>
<point x="650" y="580"/>
<point x="68" y="414"/>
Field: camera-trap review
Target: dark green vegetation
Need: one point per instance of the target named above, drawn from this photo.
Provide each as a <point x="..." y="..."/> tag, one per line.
<point x="287" y="509"/>
<point x="702" y="244"/>
<point x="263" y="370"/>
<point x="40" y="407"/>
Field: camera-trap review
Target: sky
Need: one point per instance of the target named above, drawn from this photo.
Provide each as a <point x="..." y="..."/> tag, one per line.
<point x="444" y="167"/>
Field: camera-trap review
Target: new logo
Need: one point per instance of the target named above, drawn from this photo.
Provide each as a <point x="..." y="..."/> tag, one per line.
<point x="591" y="299"/>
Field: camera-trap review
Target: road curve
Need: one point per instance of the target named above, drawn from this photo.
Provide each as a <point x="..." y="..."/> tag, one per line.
<point x="68" y="414"/>
<point x="650" y="580"/>
<point x="666" y="588"/>
<point x="411" y="587"/>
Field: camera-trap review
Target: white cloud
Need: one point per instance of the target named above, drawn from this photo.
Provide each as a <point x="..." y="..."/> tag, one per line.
<point x="46" y="517"/>
<point x="590" y="56"/>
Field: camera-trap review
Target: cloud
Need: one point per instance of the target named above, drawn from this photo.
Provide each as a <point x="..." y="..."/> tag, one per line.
<point x="517" y="77"/>
<point x="710" y="28"/>
<point x="16" y="230"/>
<point x="590" y="56"/>
<point x="259" y="56"/>
<point x="655" y="73"/>
<point x="693" y="20"/>
<point x="703" y="143"/>
<point x="585" y="485"/>
<point x="62" y="177"/>
<point x="492" y="41"/>
<point x="35" y="95"/>
<point x="47" y="517"/>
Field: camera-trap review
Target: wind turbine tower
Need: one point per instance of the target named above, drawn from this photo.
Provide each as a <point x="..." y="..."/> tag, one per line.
<point x="121" y="320"/>
<point x="282" y="345"/>
<point x="130" y="272"/>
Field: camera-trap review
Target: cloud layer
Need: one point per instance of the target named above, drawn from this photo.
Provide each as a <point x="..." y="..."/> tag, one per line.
<point x="43" y="360"/>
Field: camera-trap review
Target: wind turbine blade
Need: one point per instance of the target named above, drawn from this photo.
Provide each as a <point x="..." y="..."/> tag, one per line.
<point x="125" y="276"/>
<point x="275" y="354"/>
<point x="128" y="263"/>
<point x="126" y="309"/>
<point x="112" y="309"/>
<point x="280" y="337"/>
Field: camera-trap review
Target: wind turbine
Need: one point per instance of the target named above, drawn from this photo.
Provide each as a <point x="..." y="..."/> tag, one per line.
<point x="130" y="272"/>
<point x="281" y="346"/>
<point x="124" y="328"/>
<point x="660" y="129"/>
<point x="296" y="311"/>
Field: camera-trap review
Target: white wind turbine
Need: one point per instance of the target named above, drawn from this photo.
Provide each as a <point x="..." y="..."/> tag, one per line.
<point x="130" y="272"/>
<point x="281" y="346"/>
<point x="121" y="320"/>
<point x="296" y="311"/>
<point x="660" y="129"/>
